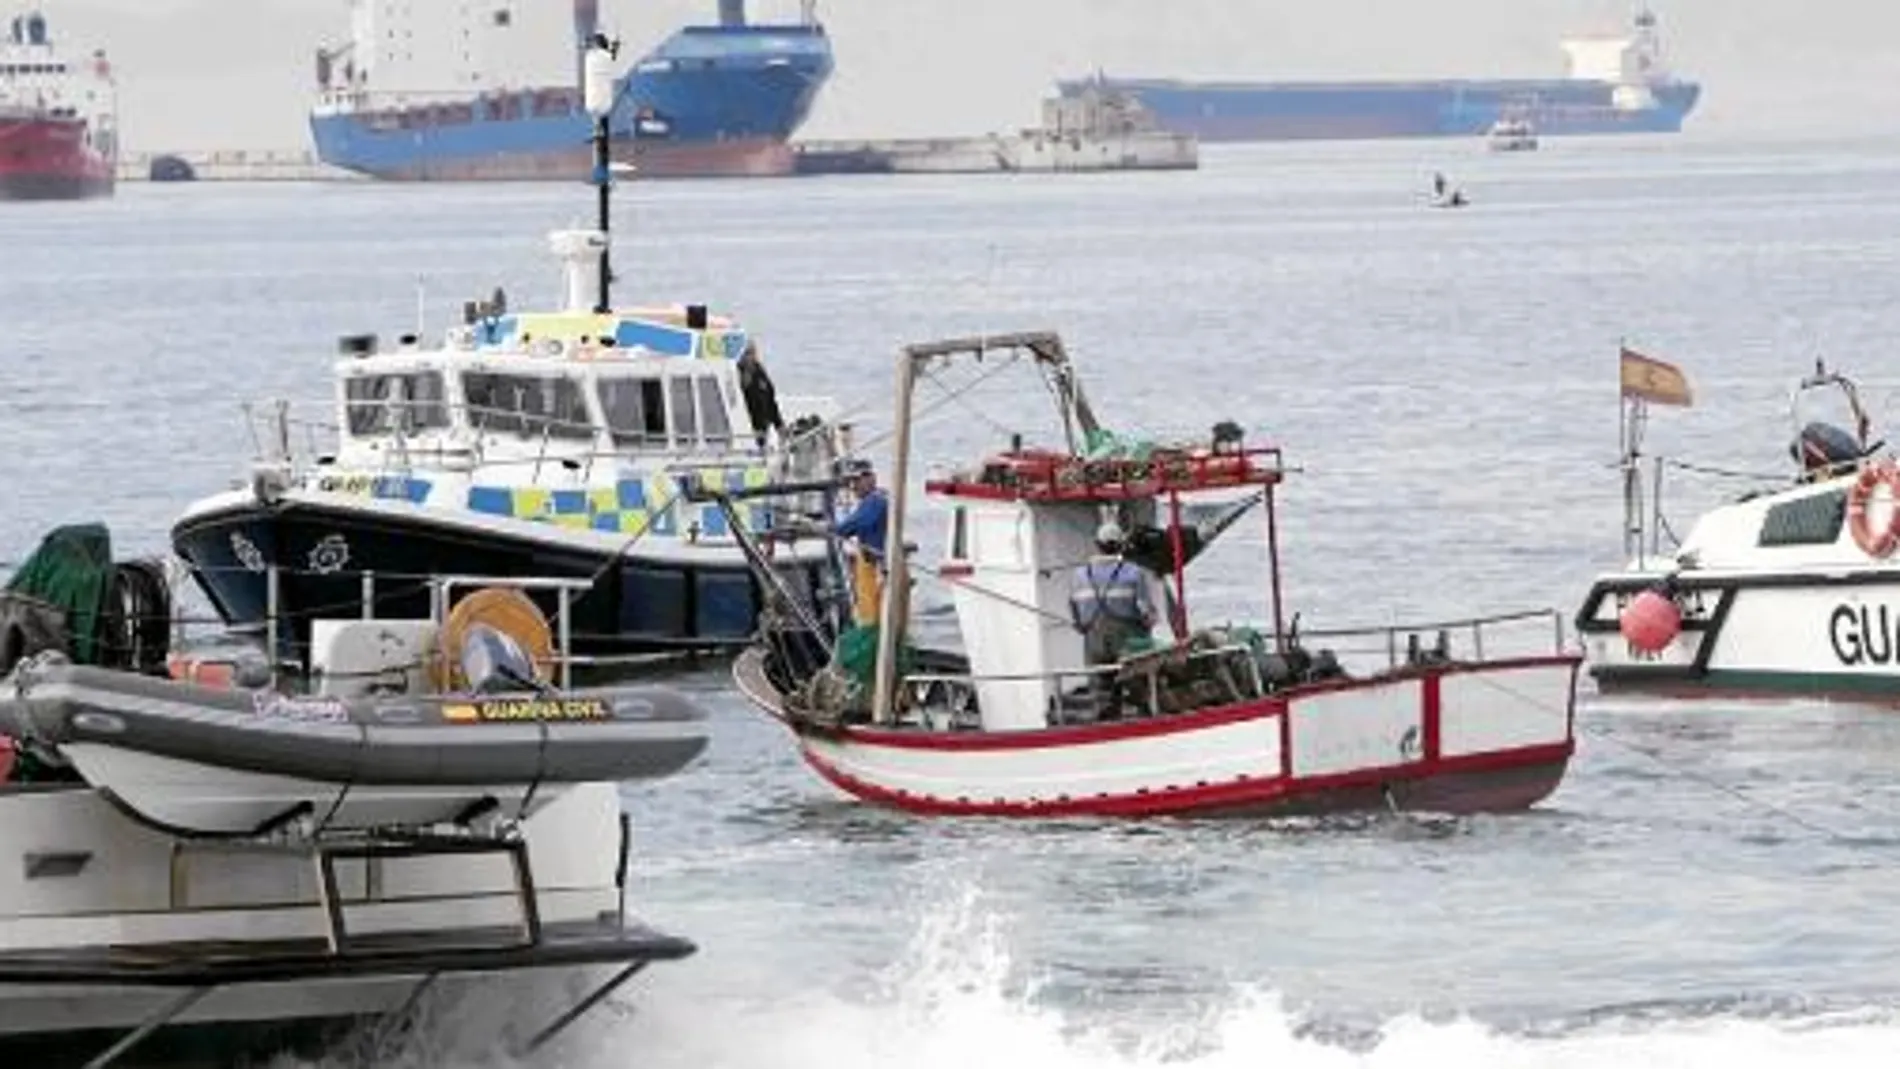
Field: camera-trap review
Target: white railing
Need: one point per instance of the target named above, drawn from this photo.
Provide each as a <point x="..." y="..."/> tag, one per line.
<point x="1403" y="646"/>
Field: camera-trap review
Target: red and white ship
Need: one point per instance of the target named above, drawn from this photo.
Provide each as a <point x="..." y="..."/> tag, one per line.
<point x="58" y="125"/>
<point x="1220" y="720"/>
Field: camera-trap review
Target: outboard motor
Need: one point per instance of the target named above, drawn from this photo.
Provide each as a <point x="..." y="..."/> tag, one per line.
<point x="1822" y="446"/>
<point x="495" y="663"/>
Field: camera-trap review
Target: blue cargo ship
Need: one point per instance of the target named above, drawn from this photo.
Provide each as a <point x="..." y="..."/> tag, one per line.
<point x="1616" y="85"/>
<point x="445" y="90"/>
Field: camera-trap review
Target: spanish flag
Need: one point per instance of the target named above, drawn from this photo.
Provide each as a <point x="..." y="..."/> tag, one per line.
<point x="1653" y="380"/>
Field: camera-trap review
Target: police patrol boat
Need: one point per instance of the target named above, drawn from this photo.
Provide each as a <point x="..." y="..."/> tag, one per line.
<point x="1027" y="720"/>
<point x="230" y="866"/>
<point x="1791" y="591"/>
<point x="547" y="443"/>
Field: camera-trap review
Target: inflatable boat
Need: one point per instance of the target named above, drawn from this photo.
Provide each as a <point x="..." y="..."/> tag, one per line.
<point x="197" y="760"/>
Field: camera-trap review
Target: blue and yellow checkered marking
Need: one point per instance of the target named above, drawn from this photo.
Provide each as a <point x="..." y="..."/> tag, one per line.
<point x="628" y="332"/>
<point x="389" y="487"/>
<point x="629" y="506"/>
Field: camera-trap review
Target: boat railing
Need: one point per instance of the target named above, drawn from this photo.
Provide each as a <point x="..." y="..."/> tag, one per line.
<point x="1180" y="678"/>
<point x="374" y="590"/>
<point x="276" y="433"/>
<point x="1403" y="644"/>
<point x="304" y="445"/>
<point x="1140" y="685"/>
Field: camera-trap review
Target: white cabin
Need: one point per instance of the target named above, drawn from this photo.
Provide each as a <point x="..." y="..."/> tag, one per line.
<point x="39" y="80"/>
<point x="575" y="418"/>
<point x="1010" y="555"/>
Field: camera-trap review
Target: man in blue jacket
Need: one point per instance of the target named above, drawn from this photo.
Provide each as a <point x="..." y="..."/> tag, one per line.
<point x="868" y="523"/>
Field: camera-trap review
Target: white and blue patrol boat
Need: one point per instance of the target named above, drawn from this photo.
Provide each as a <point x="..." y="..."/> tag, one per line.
<point x="556" y="443"/>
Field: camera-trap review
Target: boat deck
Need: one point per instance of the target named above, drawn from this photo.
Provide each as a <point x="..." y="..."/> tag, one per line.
<point x="202" y="964"/>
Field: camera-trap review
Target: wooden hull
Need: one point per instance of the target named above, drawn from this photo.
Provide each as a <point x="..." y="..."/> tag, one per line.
<point x="1489" y="737"/>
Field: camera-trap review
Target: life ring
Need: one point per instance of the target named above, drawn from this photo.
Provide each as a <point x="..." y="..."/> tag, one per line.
<point x="1875" y="543"/>
<point x="202" y="671"/>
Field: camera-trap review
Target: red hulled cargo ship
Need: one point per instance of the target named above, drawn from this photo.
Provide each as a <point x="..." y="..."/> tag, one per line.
<point x="58" y="130"/>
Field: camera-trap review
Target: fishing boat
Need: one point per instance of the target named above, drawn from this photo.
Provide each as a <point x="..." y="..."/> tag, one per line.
<point x="222" y="864"/>
<point x="1788" y="590"/>
<point x="547" y="443"/>
<point x="1203" y="720"/>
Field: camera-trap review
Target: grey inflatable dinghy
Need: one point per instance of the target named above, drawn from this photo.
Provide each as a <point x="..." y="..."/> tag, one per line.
<point x="196" y="760"/>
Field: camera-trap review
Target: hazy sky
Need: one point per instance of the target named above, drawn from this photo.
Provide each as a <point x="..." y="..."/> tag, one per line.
<point x="201" y="74"/>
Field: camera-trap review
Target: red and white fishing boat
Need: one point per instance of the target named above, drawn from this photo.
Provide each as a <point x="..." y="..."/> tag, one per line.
<point x="58" y="125"/>
<point x="1211" y="721"/>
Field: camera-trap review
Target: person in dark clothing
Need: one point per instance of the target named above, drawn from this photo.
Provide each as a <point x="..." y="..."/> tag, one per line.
<point x="761" y="397"/>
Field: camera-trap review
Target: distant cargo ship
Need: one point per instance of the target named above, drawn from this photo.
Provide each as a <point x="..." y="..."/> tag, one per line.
<point x="1616" y="85"/>
<point x="58" y="128"/>
<point x="446" y="89"/>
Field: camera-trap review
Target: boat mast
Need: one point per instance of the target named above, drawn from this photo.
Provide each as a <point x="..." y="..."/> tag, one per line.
<point x="896" y="560"/>
<point x="597" y="89"/>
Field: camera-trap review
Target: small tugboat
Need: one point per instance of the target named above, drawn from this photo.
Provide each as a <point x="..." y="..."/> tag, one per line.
<point x="544" y="443"/>
<point x="232" y="866"/>
<point x="1792" y="591"/>
<point x="1512" y="133"/>
<point x="1030" y="719"/>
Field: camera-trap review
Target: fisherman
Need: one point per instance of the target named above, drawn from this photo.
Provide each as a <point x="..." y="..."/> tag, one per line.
<point x="761" y="397"/>
<point x="1438" y="184"/>
<point x="868" y="523"/>
<point x="1110" y="604"/>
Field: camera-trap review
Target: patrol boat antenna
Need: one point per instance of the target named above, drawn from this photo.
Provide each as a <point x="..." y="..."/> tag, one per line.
<point x="597" y="90"/>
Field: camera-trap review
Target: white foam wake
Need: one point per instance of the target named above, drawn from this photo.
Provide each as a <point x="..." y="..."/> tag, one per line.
<point x="951" y="1004"/>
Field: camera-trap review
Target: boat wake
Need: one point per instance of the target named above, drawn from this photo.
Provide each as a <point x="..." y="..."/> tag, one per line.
<point x="957" y="1000"/>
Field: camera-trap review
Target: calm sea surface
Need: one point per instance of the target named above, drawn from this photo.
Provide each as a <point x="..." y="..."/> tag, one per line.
<point x="1711" y="884"/>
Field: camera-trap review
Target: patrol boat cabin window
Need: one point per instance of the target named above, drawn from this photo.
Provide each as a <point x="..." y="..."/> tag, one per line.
<point x="680" y="409"/>
<point x="679" y="392"/>
<point x="531" y="406"/>
<point x="635" y="409"/>
<point x="714" y="423"/>
<point x="385" y="404"/>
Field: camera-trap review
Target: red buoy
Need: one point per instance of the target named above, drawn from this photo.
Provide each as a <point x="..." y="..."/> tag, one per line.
<point x="1651" y="621"/>
<point x="6" y="758"/>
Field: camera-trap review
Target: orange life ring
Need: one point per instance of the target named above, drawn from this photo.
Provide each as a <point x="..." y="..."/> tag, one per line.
<point x="1874" y="543"/>
<point x="201" y="670"/>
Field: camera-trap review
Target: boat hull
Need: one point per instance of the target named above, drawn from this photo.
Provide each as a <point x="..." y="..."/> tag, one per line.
<point x="340" y="140"/>
<point x="711" y="101"/>
<point x="50" y="159"/>
<point x="698" y="598"/>
<point x="1297" y="111"/>
<point x="1815" y="634"/>
<point x="106" y="922"/>
<point x="1489" y="737"/>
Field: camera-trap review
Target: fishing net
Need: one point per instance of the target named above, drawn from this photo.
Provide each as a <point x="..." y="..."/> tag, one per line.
<point x="72" y="571"/>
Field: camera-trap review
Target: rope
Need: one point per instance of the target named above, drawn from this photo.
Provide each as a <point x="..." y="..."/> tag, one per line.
<point x="1667" y="765"/>
<point x="1725" y="473"/>
<point x="945" y="401"/>
<point x="621" y="550"/>
<point x="1037" y="610"/>
<point x="956" y="396"/>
